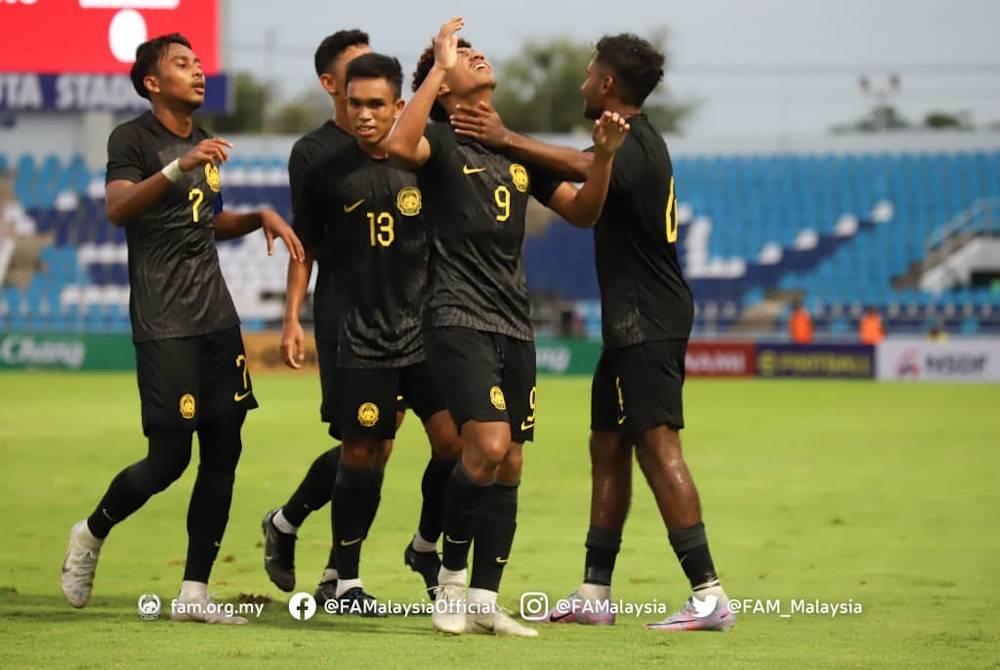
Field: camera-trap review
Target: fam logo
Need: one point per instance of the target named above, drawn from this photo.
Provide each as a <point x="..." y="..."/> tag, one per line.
<point x="149" y="606"/>
<point x="368" y="414"/>
<point x="498" y="399"/>
<point x="908" y="365"/>
<point x="408" y="201"/>
<point x="212" y="177"/>
<point x="187" y="406"/>
<point x="520" y="176"/>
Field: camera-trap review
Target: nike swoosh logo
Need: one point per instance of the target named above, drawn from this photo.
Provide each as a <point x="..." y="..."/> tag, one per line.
<point x="527" y="426"/>
<point x="448" y="538"/>
<point x="622" y="420"/>
<point x="239" y="397"/>
<point x="501" y="561"/>
<point x="347" y="543"/>
<point x="467" y="170"/>
<point x="559" y="617"/>
<point x="351" y="208"/>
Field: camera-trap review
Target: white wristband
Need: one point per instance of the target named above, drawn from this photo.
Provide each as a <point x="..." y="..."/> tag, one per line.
<point x="173" y="171"/>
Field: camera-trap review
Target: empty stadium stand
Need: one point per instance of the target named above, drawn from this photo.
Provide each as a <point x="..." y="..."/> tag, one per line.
<point x="839" y="232"/>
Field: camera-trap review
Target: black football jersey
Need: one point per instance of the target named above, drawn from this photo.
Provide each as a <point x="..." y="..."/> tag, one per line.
<point x="309" y="148"/>
<point x="366" y="216"/>
<point x="177" y="288"/>
<point x="643" y="293"/>
<point x="475" y="205"/>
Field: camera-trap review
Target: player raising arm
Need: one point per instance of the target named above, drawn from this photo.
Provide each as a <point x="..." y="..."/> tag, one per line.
<point x="647" y="313"/>
<point x="478" y="335"/>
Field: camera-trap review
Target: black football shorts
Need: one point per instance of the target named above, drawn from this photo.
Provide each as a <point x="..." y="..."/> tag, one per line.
<point x="484" y="377"/>
<point x="639" y="387"/>
<point x="186" y="382"/>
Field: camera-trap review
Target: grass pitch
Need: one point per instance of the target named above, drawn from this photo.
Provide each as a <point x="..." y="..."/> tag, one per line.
<point x="880" y="494"/>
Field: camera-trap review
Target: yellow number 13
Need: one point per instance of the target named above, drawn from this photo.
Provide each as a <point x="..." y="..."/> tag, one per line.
<point x="381" y="228"/>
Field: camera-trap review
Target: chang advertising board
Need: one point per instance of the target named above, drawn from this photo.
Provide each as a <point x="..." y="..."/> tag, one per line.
<point x="973" y="360"/>
<point x="75" y="55"/>
<point x="66" y="352"/>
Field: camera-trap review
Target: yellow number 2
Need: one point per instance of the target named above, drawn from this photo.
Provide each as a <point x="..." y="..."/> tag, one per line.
<point x="197" y="195"/>
<point x="502" y="196"/>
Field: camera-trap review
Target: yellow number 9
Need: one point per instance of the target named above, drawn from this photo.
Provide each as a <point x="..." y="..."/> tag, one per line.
<point x="502" y="196"/>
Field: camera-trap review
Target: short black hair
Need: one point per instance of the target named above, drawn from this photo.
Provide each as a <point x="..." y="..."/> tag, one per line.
<point x="333" y="45"/>
<point x="377" y="66"/>
<point x="637" y="65"/>
<point x="424" y="66"/>
<point x="148" y="55"/>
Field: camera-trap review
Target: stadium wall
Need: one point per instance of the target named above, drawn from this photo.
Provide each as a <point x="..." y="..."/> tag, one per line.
<point x="896" y="359"/>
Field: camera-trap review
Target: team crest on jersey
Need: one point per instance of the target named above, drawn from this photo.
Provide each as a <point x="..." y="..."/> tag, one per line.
<point x="212" y="177"/>
<point x="408" y="201"/>
<point x="520" y="176"/>
<point x="497" y="398"/>
<point x="368" y="414"/>
<point x="187" y="406"/>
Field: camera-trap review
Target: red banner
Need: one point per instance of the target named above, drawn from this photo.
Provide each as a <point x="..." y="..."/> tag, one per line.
<point x="100" y="36"/>
<point x="720" y="359"/>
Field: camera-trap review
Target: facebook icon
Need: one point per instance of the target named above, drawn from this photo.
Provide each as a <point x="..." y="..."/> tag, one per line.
<point x="302" y="606"/>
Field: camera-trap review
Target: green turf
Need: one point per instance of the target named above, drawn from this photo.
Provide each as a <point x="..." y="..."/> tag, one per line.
<point x="884" y="494"/>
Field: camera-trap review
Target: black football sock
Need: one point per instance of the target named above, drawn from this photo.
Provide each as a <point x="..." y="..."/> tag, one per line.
<point x="434" y="487"/>
<point x="356" y="493"/>
<point x="494" y="536"/>
<point x="167" y="458"/>
<point x="691" y="547"/>
<point x="461" y="514"/>
<point x="314" y="491"/>
<point x="219" y="447"/>
<point x="374" y="498"/>
<point x="603" y="545"/>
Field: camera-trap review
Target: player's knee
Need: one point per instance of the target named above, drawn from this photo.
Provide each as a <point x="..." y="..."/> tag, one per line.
<point x="663" y="453"/>
<point x="217" y="478"/>
<point x="162" y="473"/>
<point x="443" y="436"/>
<point x="449" y="449"/>
<point x="510" y="468"/>
<point x="169" y="455"/>
<point x="608" y="451"/>
<point x="361" y="453"/>
<point x="491" y="447"/>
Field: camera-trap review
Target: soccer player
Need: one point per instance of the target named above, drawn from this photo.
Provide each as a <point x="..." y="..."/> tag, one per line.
<point x="366" y="214"/>
<point x="647" y="316"/>
<point x="478" y="336"/>
<point x="281" y="525"/>
<point x="163" y="185"/>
